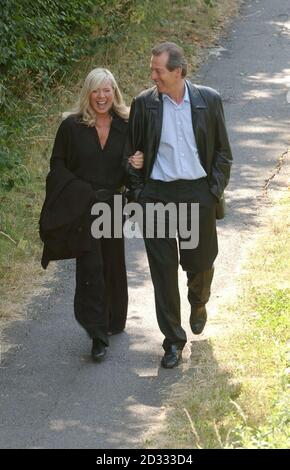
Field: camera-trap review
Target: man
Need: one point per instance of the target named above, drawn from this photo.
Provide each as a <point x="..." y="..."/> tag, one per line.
<point x="180" y="128"/>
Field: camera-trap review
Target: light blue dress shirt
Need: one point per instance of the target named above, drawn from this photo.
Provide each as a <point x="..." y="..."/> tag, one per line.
<point x="177" y="156"/>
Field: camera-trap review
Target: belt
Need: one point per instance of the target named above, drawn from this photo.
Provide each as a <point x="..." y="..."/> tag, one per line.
<point x="104" y="194"/>
<point x="173" y="182"/>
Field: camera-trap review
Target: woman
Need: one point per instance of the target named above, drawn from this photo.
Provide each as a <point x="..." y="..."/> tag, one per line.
<point x="86" y="167"/>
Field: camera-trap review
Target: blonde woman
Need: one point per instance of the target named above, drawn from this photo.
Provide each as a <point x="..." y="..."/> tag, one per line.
<point x="86" y="163"/>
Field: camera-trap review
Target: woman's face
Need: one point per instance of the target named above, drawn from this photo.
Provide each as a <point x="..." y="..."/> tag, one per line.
<point x="101" y="99"/>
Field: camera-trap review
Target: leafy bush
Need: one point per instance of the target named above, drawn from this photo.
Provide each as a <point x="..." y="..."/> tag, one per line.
<point x="41" y="36"/>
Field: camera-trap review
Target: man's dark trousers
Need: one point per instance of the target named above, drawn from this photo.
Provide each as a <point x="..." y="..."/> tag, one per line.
<point x="163" y="254"/>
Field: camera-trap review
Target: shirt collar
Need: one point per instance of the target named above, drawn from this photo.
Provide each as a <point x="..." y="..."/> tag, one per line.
<point x="185" y="97"/>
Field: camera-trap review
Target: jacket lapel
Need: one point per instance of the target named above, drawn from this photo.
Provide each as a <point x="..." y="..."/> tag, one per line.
<point x="155" y="105"/>
<point x="197" y="105"/>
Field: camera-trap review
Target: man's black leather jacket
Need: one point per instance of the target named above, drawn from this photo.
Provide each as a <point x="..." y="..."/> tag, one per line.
<point x="144" y="132"/>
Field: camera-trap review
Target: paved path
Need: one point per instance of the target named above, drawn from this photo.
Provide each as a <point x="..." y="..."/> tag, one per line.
<point x="52" y="395"/>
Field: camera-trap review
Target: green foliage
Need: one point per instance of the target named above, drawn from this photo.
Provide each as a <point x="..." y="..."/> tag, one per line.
<point x="39" y="37"/>
<point x="273" y="434"/>
<point x="273" y="309"/>
<point x="39" y="40"/>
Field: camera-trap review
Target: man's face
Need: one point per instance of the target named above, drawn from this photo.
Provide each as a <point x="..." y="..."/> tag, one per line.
<point x="165" y="80"/>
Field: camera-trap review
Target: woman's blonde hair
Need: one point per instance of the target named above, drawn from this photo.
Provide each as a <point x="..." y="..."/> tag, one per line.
<point x="91" y="83"/>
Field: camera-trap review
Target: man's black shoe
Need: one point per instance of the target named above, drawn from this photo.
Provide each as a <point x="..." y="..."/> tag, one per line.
<point x="198" y="319"/>
<point x="171" y="357"/>
<point x="98" y="350"/>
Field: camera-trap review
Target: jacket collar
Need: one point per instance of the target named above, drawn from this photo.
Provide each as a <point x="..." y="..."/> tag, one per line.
<point x="119" y="123"/>
<point x="156" y="96"/>
<point x="196" y="99"/>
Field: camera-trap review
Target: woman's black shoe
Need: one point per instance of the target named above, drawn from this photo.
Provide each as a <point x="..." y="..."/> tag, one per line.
<point x="98" y="350"/>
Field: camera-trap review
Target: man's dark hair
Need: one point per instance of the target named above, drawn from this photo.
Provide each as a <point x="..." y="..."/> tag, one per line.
<point x="176" y="56"/>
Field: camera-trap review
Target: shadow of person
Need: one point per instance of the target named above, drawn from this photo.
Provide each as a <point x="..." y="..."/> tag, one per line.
<point x="201" y="403"/>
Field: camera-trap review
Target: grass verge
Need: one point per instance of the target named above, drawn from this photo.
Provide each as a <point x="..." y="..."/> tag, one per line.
<point x="236" y="394"/>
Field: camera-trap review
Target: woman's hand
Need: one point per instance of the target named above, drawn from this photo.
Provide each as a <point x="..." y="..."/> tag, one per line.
<point x="137" y="160"/>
